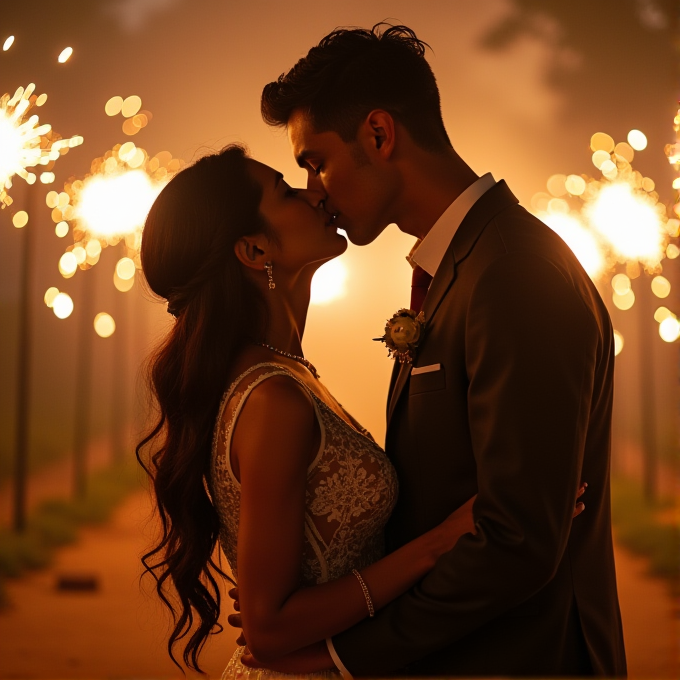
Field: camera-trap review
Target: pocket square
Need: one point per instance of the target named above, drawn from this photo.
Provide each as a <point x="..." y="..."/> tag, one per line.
<point x="426" y="369"/>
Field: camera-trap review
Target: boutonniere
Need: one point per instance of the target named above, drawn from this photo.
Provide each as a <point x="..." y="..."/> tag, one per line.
<point x="402" y="335"/>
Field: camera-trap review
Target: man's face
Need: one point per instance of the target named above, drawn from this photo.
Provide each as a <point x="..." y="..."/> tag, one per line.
<point x="357" y="188"/>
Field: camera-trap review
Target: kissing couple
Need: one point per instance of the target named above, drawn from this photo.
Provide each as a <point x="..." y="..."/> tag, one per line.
<point x="459" y="550"/>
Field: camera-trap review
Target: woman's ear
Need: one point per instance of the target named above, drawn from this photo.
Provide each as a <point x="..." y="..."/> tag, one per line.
<point x="252" y="251"/>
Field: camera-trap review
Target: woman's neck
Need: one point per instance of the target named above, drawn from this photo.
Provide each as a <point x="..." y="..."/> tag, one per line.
<point x="287" y="305"/>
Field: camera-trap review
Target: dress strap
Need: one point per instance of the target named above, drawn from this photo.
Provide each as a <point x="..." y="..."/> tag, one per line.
<point x="227" y="432"/>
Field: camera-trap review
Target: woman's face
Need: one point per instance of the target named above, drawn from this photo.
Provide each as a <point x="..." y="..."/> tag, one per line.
<point x="303" y="231"/>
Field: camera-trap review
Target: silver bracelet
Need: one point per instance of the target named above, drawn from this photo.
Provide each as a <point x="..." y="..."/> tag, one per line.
<point x="367" y="595"/>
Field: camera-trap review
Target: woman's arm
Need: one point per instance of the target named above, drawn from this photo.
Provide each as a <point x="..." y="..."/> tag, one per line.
<point x="274" y="441"/>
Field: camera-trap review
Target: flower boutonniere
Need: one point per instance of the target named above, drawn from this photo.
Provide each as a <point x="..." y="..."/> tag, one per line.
<point x="402" y="335"/>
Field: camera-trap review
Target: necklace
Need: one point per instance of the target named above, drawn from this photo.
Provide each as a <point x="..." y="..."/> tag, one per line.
<point x="301" y="360"/>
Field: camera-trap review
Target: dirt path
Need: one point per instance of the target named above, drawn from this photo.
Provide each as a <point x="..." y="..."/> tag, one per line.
<point x="119" y="631"/>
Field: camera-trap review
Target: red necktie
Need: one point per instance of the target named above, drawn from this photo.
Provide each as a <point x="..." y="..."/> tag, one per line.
<point x="419" y="284"/>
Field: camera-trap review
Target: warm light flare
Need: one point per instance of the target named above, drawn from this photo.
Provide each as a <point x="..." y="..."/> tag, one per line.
<point x="328" y="283"/>
<point x="629" y="223"/>
<point x="116" y="205"/>
<point x="104" y="325"/>
<point x="618" y="343"/>
<point x="65" y="55"/>
<point x="579" y="239"/>
<point x="8" y="43"/>
<point x="669" y="329"/>
<point x="62" y="305"/>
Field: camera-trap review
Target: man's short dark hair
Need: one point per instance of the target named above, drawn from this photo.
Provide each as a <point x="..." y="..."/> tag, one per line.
<point x="354" y="71"/>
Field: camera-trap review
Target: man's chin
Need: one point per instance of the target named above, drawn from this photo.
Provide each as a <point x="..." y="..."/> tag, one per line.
<point x="359" y="237"/>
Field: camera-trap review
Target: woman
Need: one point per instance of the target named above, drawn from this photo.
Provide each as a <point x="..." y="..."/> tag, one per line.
<point x="250" y="447"/>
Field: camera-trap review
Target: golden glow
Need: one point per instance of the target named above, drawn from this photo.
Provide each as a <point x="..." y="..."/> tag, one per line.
<point x="625" y="301"/>
<point x="556" y="186"/>
<point x="104" y="325"/>
<point x="61" y="229"/>
<point x="65" y="55"/>
<point x="50" y="294"/>
<point x="117" y="204"/>
<point x="328" y="283"/>
<point x="125" y="268"/>
<point x="62" y="305"/>
<point x="672" y="251"/>
<point x="661" y="286"/>
<point x="618" y="343"/>
<point x="600" y="157"/>
<point x="113" y="106"/>
<point x="580" y="240"/>
<point x="68" y="265"/>
<point x="8" y="43"/>
<point x="662" y="313"/>
<point x="637" y="139"/>
<point x="131" y="106"/>
<point x="575" y="185"/>
<point x="20" y="219"/>
<point x="625" y="151"/>
<point x="630" y="224"/>
<point x="123" y="285"/>
<point x="621" y="284"/>
<point x="669" y="329"/>
<point x="609" y="169"/>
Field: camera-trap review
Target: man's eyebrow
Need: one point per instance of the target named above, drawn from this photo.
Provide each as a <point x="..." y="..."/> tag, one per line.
<point x="302" y="157"/>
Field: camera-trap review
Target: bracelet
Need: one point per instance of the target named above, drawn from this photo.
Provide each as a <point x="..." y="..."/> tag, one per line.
<point x="367" y="595"/>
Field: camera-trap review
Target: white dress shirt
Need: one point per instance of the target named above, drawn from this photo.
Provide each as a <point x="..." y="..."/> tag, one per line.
<point x="433" y="247"/>
<point x="428" y="255"/>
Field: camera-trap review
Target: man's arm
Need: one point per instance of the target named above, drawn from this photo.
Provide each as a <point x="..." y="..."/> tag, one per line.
<point x="532" y="348"/>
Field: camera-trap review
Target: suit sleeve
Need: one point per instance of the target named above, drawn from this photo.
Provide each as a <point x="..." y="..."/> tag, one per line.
<point x="531" y="352"/>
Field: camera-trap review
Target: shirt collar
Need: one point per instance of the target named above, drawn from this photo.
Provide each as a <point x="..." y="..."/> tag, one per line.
<point x="429" y="253"/>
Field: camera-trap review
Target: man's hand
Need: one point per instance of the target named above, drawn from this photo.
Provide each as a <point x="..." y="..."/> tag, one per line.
<point x="580" y="506"/>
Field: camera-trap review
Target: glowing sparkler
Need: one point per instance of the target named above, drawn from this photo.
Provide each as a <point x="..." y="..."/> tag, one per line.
<point x="109" y="206"/>
<point x="616" y="220"/>
<point x="24" y="143"/>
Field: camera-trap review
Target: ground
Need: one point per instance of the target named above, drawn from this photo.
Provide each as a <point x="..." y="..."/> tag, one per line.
<point x="119" y="630"/>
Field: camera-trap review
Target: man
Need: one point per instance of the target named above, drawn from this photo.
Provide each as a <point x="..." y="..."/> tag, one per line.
<point x="509" y="394"/>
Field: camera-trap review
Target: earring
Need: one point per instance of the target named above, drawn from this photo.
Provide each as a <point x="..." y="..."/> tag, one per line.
<point x="269" y="267"/>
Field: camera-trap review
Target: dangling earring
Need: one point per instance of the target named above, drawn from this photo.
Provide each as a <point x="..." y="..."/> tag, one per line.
<point x="269" y="267"/>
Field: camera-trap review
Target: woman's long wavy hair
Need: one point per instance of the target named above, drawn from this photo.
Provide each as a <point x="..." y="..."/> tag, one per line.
<point x="188" y="259"/>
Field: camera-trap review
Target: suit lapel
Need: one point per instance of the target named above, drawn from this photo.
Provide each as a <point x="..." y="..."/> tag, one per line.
<point x="482" y="212"/>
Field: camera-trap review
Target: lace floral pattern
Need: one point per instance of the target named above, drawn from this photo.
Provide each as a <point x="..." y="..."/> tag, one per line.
<point x="351" y="491"/>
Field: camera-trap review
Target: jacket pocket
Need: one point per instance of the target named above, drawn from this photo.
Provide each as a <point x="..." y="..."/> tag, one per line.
<point x="427" y="382"/>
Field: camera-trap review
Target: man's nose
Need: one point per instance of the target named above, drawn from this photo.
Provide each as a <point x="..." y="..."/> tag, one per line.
<point x="315" y="197"/>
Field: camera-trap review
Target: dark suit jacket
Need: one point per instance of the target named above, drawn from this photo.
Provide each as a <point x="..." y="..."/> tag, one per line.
<point x="519" y="413"/>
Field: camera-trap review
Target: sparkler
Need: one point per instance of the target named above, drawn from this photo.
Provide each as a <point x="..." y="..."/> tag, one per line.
<point x="616" y="221"/>
<point x="24" y="143"/>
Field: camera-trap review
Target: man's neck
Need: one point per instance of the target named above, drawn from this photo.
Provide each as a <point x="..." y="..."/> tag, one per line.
<point x="431" y="183"/>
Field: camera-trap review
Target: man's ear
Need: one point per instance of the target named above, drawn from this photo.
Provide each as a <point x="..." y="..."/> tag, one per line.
<point x="379" y="131"/>
<point x="252" y="251"/>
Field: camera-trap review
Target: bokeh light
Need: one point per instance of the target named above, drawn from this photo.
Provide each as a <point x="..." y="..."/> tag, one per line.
<point x="62" y="305"/>
<point x="625" y="301"/>
<point x="662" y="313"/>
<point x="113" y="106"/>
<point x="637" y="139"/>
<point x="669" y="329"/>
<point x="104" y="325"/>
<point x="61" y="229"/>
<point x="68" y="265"/>
<point x="8" y="43"/>
<point x="50" y="294"/>
<point x="65" y="55"/>
<point x="20" y="219"/>
<point x="328" y="283"/>
<point x="131" y="106"/>
<point x="601" y="141"/>
<point x="661" y="286"/>
<point x="621" y="284"/>
<point x="618" y="343"/>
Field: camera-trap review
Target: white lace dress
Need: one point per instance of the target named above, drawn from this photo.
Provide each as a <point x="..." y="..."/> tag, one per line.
<point x="351" y="491"/>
